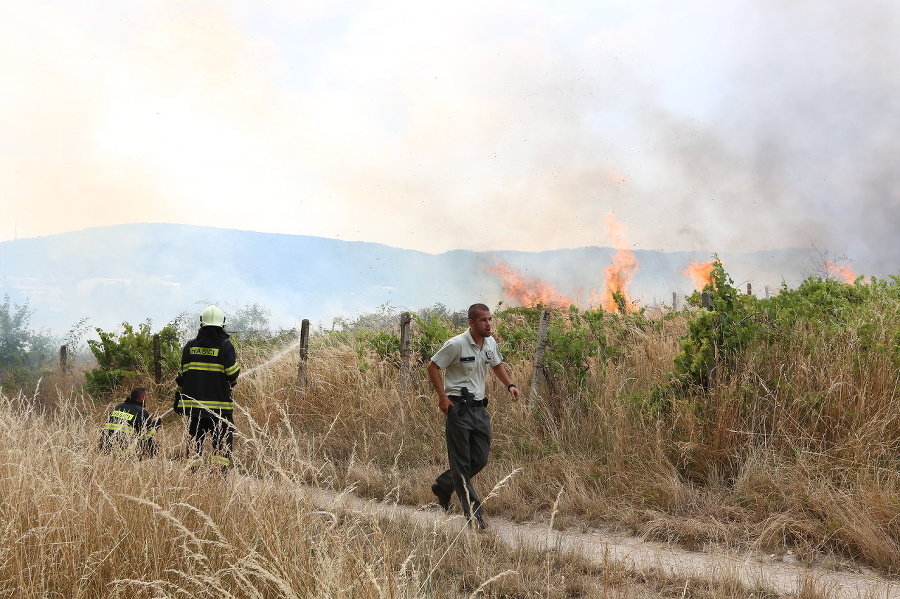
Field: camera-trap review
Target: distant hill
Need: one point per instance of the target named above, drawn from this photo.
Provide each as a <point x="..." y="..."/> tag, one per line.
<point x="129" y="273"/>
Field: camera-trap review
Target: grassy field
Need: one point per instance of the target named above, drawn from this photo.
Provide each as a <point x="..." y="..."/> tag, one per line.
<point x="805" y="462"/>
<point x="77" y="523"/>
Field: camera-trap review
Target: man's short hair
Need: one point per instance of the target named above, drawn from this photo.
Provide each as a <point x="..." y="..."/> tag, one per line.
<point x="137" y="393"/>
<point x="475" y="309"/>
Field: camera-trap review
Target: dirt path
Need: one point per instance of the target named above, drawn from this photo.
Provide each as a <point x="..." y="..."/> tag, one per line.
<point x="642" y="556"/>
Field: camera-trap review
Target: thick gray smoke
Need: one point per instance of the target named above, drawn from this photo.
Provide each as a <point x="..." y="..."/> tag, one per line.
<point x="705" y="126"/>
<point x="807" y="131"/>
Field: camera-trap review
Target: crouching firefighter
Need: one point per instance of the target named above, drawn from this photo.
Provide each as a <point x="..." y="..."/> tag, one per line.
<point x="209" y="370"/>
<point x="130" y="428"/>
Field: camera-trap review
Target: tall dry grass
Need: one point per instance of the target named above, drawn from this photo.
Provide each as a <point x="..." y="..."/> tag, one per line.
<point x="79" y="523"/>
<point x="807" y="465"/>
<point x="76" y="523"/>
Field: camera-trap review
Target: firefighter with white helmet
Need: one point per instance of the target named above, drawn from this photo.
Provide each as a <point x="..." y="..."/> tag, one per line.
<point x="212" y="316"/>
<point x="209" y="371"/>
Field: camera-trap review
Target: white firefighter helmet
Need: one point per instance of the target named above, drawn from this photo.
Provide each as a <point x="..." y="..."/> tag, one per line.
<point x="212" y="316"/>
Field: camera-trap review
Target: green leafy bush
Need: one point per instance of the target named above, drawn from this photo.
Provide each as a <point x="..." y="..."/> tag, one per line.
<point x="434" y="329"/>
<point x="577" y="340"/>
<point x="129" y="356"/>
<point x="716" y="336"/>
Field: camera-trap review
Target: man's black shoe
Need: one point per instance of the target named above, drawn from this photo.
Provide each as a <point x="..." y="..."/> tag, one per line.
<point x="478" y="523"/>
<point x="442" y="497"/>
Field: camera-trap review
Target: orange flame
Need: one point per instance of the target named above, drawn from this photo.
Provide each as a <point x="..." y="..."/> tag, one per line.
<point x="837" y="271"/>
<point x="528" y="291"/>
<point x="700" y="273"/>
<point x="618" y="275"/>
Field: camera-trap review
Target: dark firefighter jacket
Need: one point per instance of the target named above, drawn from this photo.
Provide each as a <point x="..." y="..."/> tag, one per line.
<point x="128" y="421"/>
<point x="209" y="370"/>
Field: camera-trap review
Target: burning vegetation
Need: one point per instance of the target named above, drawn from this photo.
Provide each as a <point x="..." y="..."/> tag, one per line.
<point x="700" y="273"/>
<point x="527" y="291"/>
<point x="522" y="290"/>
<point x="840" y="272"/>
<point x="618" y="275"/>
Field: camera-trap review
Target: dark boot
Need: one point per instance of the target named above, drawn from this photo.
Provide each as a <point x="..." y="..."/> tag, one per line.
<point x="477" y="522"/>
<point x="443" y="497"/>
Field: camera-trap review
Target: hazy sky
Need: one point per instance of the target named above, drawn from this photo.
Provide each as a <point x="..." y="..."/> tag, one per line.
<point x="725" y="125"/>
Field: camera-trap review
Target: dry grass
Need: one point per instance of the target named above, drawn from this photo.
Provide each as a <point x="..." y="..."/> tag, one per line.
<point x="79" y="524"/>
<point x="707" y="471"/>
<point x="775" y="477"/>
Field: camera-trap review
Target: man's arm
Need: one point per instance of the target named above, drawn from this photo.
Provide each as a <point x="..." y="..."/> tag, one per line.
<point x="434" y="375"/>
<point x="149" y="424"/>
<point x="144" y="424"/>
<point x="500" y="373"/>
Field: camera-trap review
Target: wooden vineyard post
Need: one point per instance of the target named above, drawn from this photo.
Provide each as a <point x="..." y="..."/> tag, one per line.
<point x="405" y="320"/>
<point x="304" y="355"/>
<point x="157" y="360"/>
<point x="63" y="358"/>
<point x="540" y="351"/>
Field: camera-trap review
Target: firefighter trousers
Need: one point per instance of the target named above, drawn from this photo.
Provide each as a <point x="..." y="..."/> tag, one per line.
<point x="219" y="428"/>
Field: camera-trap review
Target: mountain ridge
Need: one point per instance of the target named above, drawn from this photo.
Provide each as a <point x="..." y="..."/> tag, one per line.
<point x="135" y="272"/>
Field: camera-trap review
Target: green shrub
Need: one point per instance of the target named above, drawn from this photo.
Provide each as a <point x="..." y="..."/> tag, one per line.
<point x="129" y="356"/>
<point x="717" y="336"/>
<point x="434" y="328"/>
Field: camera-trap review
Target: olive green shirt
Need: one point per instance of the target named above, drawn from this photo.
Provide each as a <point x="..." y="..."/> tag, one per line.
<point x="465" y="365"/>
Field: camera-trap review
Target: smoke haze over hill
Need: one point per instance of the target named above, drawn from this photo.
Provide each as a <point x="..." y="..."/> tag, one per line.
<point x="737" y="125"/>
<point x="130" y="273"/>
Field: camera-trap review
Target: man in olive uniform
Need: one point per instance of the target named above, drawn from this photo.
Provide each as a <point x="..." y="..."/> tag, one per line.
<point x="209" y="370"/>
<point x="465" y="360"/>
<point x="130" y="427"/>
